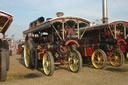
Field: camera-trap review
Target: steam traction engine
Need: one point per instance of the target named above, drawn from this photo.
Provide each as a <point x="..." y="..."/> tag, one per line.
<point x="120" y="32"/>
<point x="5" y="21"/>
<point x="99" y="43"/>
<point x="53" y="42"/>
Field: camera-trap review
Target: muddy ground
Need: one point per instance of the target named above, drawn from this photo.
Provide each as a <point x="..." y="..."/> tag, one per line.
<point x="19" y="75"/>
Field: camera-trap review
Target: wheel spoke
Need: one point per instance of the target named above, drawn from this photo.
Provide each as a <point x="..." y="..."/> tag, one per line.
<point x="45" y="64"/>
<point x="99" y="58"/>
<point x="116" y="59"/>
<point x="48" y="64"/>
<point x="75" y="58"/>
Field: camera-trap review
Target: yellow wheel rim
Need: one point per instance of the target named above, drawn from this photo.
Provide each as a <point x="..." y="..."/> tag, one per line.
<point x="116" y="58"/>
<point x="98" y="59"/>
<point x="46" y="64"/>
<point x="26" y="55"/>
<point x="74" y="65"/>
<point x="127" y="55"/>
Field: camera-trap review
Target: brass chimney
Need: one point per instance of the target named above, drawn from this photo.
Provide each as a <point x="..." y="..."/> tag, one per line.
<point x="105" y="16"/>
<point x="59" y="14"/>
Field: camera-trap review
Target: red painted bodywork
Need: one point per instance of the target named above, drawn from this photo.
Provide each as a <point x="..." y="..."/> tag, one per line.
<point x="71" y="42"/>
<point x="90" y="43"/>
<point x="117" y="22"/>
<point x="88" y="51"/>
<point x="122" y="48"/>
<point x="4" y="17"/>
<point x="121" y="41"/>
<point x="41" y="53"/>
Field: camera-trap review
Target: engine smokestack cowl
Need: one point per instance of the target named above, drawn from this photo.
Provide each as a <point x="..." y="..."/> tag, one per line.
<point x="59" y="14"/>
<point x="105" y="16"/>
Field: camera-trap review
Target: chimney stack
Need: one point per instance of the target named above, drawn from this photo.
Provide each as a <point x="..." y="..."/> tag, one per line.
<point x="105" y="16"/>
<point x="59" y="14"/>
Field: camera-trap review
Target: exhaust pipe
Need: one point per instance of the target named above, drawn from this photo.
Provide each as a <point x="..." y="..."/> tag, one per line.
<point x="105" y="16"/>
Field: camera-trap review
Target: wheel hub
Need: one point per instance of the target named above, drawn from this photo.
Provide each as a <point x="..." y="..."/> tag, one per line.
<point x="75" y="61"/>
<point x="47" y="63"/>
<point x="116" y="58"/>
<point x="99" y="58"/>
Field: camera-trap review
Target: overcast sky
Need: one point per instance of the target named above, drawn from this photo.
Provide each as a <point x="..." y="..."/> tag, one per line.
<point x="25" y="11"/>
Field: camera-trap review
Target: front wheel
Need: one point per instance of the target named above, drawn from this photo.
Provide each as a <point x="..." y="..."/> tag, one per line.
<point x="75" y="60"/>
<point x="99" y="59"/>
<point x="48" y="64"/>
<point x="116" y="58"/>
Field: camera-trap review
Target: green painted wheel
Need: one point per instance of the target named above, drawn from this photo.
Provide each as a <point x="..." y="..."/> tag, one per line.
<point x="99" y="59"/>
<point x="75" y="60"/>
<point x="117" y="58"/>
<point x="48" y="64"/>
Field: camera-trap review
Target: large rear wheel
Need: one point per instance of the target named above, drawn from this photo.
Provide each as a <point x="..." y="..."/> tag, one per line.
<point x="3" y="64"/>
<point x="8" y="59"/>
<point x="117" y="58"/>
<point x="34" y="59"/>
<point x="99" y="59"/>
<point x="75" y="60"/>
<point x="26" y="55"/>
<point x="48" y="64"/>
<point x="4" y="45"/>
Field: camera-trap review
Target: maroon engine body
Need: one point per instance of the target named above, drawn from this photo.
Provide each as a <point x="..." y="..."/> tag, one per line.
<point x="55" y="39"/>
<point x="99" y="44"/>
<point x="120" y="31"/>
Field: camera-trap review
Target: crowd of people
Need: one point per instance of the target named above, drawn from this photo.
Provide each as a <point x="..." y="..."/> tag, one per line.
<point x="16" y="48"/>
